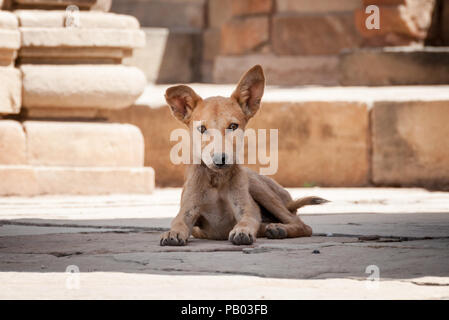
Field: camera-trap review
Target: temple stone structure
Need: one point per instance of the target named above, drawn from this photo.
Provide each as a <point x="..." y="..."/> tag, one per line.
<point x="60" y="63"/>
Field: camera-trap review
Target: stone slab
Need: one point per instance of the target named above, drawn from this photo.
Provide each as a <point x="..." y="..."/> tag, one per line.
<point x="12" y="143"/>
<point x="87" y="19"/>
<point x="32" y="181"/>
<point x="81" y="86"/>
<point x="80" y="37"/>
<point x="52" y="143"/>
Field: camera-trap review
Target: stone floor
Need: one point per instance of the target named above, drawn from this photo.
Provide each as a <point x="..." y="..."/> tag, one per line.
<point x="399" y="235"/>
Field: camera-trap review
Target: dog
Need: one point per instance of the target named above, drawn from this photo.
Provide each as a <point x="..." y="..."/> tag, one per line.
<point x="222" y="200"/>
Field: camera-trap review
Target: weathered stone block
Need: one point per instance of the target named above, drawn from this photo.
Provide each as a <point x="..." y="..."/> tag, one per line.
<point x="243" y="35"/>
<point x="10" y="90"/>
<point x="87" y="19"/>
<point x="313" y="34"/>
<point x="410" y="143"/>
<point x="395" y="66"/>
<point x="169" y="56"/>
<point x="81" y="86"/>
<point x="8" y="20"/>
<point x="219" y="12"/>
<point x="12" y="143"/>
<point x="9" y="39"/>
<point x="280" y="70"/>
<point x="83" y="144"/>
<point x="307" y="6"/>
<point x="31" y="181"/>
<point x="248" y="7"/>
<point x="80" y="37"/>
<point x="164" y="13"/>
<point x="320" y="143"/>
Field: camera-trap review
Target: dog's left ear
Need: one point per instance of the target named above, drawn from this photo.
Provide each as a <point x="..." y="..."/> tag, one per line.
<point x="249" y="90"/>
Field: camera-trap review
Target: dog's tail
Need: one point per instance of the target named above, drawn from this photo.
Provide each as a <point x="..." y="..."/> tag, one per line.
<point x="293" y="205"/>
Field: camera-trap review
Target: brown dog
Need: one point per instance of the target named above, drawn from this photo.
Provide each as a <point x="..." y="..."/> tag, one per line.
<point x="227" y="201"/>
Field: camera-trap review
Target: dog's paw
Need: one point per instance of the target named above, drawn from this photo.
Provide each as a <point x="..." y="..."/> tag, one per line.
<point x="241" y="236"/>
<point x="173" y="238"/>
<point x="276" y="231"/>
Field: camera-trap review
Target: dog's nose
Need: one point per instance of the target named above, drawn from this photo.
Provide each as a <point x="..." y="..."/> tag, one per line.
<point x="219" y="159"/>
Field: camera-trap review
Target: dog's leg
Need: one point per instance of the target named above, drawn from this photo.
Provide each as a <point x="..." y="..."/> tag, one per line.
<point x="181" y="227"/>
<point x="247" y="227"/>
<point x="290" y="225"/>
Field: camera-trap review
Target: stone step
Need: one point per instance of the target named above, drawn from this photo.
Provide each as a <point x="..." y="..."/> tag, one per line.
<point x="164" y="13"/>
<point x="81" y="86"/>
<point x="360" y="67"/>
<point x="169" y="56"/>
<point x="280" y="70"/>
<point x="326" y="134"/>
<point x="395" y="66"/>
<point x="41" y="180"/>
<point x="74" y="144"/>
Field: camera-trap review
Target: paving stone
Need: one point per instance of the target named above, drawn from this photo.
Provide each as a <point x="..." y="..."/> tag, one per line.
<point x="81" y="86"/>
<point x="52" y="143"/>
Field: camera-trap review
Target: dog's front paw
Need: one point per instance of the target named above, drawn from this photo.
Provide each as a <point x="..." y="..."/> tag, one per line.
<point x="173" y="238"/>
<point x="275" y="231"/>
<point x="241" y="236"/>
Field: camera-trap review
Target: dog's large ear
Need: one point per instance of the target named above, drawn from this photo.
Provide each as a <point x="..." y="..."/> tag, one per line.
<point x="249" y="91"/>
<point x="182" y="100"/>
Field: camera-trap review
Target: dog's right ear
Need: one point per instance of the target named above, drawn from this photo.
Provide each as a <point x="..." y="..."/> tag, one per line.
<point x="182" y="100"/>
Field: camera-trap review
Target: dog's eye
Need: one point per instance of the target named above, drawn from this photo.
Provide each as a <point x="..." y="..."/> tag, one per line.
<point x="233" y="126"/>
<point x="202" y="129"/>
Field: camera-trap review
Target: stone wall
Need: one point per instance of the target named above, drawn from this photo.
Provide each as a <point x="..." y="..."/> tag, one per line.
<point x="298" y="42"/>
<point x="58" y="67"/>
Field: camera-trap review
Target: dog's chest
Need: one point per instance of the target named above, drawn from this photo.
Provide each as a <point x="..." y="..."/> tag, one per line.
<point x="220" y="211"/>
